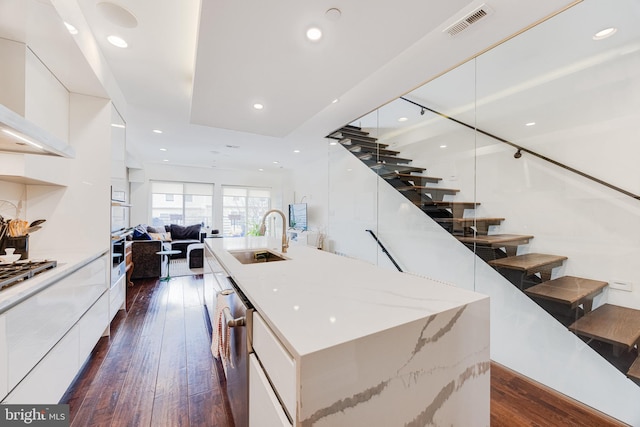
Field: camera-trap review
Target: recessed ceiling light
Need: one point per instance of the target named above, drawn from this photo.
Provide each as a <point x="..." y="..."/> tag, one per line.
<point x="314" y="34"/>
<point x="333" y="143"/>
<point x="117" y="41"/>
<point x="258" y="106"/>
<point x="73" y="30"/>
<point x="335" y="101"/>
<point x="443" y="146"/>
<point x="296" y="151"/>
<point x="163" y="149"/>
<point x="403" y="119"/>
<point x="603" y="34"/>
<point x="165" y="160"/>
<point x="261" y="170"/>
<point x="117" y="125"/>
<point x="275" y="162"/>
<point x="117" y="14"/>
<point x="530" y="124"/>
<point x="157" y="131"/>
<point x="333" y="14"/>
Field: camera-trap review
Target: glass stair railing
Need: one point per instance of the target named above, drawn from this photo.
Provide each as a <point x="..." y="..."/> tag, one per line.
<point x="568" y="298"/>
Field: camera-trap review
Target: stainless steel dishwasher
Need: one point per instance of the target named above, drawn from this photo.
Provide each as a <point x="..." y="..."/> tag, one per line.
<point x="239" y="319"/>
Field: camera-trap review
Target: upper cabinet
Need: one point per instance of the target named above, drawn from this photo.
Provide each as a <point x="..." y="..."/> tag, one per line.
<point x="34" y="119"/>
<point x="34" y="105"/>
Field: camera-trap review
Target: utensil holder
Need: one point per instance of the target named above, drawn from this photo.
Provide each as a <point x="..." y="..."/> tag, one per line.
<point x="21" y="245"/>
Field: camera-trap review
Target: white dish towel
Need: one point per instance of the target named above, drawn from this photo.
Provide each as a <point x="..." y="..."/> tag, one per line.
<point x="221" y="333"/>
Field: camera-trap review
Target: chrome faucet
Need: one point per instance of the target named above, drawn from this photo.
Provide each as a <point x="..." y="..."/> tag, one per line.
<point x="263" y="228"/>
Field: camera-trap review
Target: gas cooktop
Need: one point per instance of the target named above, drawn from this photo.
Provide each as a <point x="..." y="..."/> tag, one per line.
<point x="16" y="272"/>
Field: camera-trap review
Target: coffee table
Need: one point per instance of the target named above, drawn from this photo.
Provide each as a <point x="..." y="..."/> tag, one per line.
<point x="165" y="255"/>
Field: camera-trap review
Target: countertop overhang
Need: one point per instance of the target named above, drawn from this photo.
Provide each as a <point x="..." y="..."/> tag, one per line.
<point x="315" y="299"/>
<point x="66" y="263"/>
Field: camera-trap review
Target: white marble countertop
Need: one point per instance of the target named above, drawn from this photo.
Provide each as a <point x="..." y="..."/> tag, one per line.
<point x="315" y="299"/>
<point x="66" y="263"/>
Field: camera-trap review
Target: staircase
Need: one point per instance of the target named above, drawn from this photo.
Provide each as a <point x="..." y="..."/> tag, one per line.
<point x="613" y="331"/>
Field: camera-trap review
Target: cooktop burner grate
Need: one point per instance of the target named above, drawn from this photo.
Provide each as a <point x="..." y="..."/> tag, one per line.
<point x="10" y="274"/>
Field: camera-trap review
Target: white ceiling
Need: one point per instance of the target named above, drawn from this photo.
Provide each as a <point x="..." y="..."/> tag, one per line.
<point x="515" y="83"/>
<point x="193" y="69"/>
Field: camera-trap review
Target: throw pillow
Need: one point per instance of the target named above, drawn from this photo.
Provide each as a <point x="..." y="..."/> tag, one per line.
<point x="152" y="229"/>
<point x="140" y="234"/>
<point x="165" y="237"/>
<point x="192" y="232"/>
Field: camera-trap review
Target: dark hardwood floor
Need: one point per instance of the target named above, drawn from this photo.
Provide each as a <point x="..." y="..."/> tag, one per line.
<point x="156" y="369"/>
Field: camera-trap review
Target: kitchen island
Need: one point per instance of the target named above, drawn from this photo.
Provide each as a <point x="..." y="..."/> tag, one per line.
<point x="359" y="345"/>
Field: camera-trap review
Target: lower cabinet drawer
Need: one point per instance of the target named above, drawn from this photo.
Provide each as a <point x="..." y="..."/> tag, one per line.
<point x="117" y="295"/>
<point x="51" y="377"/>
<point x="278" y="364"/>
<point x="264" y="407"/>
<point x="47" y="382"/>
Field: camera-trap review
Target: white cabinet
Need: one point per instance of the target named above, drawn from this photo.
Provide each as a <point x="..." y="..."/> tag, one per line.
<point x="48" y="336"/>
<point x="277" y="362"/>
<point x="56" y="370"/>
<point x="117" y="295"/>
<point x="264" y="407"/>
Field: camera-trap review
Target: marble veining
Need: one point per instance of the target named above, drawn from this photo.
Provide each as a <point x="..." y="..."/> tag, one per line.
<point x="422" y="341"/>
<point x="346" y="403"/>
<point x="427" y="416"/>
<point x="417" y="377"/>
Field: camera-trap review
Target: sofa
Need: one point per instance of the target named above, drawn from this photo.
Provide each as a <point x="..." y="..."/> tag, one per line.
<point x="148" y="240"/>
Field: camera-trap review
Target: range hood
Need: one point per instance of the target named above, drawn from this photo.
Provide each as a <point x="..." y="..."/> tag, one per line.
<point x="18" y="135"/>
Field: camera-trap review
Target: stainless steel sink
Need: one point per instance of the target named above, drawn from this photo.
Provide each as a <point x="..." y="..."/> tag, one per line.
<point x="257" y="256"/>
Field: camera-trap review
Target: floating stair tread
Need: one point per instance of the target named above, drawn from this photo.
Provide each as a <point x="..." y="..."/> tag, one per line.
<point x="634" y="370"/>
<point x="409" y="177"/>
<point x="357" y="148"/>
<point x="529" y="262"/>
<point x="612" y="324"/>
<point x="468" y="221"/>
<point x="466" y="205"/>
<point x="337" y="134"/>
<point x="349" y="141"/>
<point x="415" y="178"/>
<point x="427" y="189"/>
<point x="497" y="240"/>
<point x="568" y="290"/>
<point x="394" y="168"/>
<point x="360" y="138"/>
<point x="351" y="128"/>
<point x="382" y="157"/>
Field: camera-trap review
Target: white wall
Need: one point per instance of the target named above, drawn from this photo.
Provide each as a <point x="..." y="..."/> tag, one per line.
<point x="567" y="214"/>
<point x="309" y="183"/>
<point x="77" y="215"/>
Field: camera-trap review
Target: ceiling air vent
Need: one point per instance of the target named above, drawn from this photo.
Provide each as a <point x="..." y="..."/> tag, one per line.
<point x="468" y="20"/>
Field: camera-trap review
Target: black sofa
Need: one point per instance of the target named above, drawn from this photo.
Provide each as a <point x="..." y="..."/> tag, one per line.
<point x="147" y="241"/>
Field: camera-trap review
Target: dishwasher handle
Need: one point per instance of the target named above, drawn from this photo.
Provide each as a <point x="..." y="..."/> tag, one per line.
<point x="231" y="322"/>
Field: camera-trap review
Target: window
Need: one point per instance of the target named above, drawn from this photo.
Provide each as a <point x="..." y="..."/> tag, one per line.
<point x="243" y="208"/>
<point x="182" y="203"/>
